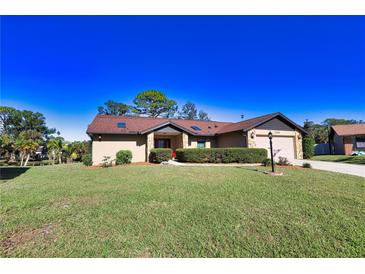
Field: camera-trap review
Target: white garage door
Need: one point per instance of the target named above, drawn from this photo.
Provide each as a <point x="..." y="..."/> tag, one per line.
<point x="282" y="146"/>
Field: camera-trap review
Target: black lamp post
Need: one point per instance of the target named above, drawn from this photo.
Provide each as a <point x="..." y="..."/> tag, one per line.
<point x="272" y="157"/>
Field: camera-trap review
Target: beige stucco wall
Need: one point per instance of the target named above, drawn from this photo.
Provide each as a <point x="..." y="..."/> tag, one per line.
<point x="231" y="139"/>
<point x="111" y="144"/>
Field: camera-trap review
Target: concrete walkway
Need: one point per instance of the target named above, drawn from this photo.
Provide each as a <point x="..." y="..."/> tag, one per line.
<point x="358" y="170"/>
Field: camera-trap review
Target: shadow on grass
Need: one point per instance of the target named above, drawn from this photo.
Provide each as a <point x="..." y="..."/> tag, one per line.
<point x="351" y="160"/>
<point x="8" y="173"/>
<point x="359" y="160"/>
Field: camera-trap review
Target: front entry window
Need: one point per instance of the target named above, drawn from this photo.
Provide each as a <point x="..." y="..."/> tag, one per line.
<point x="162" y="143"/>
<point x="201" y="143"/>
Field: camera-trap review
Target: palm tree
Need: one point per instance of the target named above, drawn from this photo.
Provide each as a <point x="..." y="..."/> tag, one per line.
<point x="68" y="149"/>
<point x="54" y="145"/>
<point x="27" y="143"/>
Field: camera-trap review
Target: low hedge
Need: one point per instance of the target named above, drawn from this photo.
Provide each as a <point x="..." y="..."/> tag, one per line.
<point x="87" y="160"/>
<point x="123" y="157"/>
<point x="221" y="155"/>
<point x="158" y="155"/>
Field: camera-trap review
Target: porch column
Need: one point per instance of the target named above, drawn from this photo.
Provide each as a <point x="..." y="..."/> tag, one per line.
<point x="298" y="145"/>
<point x="251" y="142"/>
<point x="150" y="144"/>
<point x="185" y="140"/>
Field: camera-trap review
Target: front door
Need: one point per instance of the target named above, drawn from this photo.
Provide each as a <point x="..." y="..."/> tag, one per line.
<point x="162" y="143"/>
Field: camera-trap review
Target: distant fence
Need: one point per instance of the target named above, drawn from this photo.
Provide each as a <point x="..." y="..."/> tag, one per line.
<point x="320" y="149"/>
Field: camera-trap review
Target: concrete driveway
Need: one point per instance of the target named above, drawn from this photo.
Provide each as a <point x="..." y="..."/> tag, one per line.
<point x="358" y="170"/>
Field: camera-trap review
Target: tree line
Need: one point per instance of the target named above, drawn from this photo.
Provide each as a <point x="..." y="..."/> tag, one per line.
<point x="23" y="133"/>
<point x="153" y="103"/>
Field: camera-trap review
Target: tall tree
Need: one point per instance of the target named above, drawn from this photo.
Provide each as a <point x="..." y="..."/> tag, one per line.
<point x="334" y="121"/>
<point x="203" y="116"/>
<point x="114" y="108"/>
<point x="10" y="119"/>
<point x="35" y="121"/>
<point x="188" y="112"/>
<point x="154" y="103"/>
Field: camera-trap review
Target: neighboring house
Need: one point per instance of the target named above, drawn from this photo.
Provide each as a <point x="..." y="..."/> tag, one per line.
<point x="110" y="134"/>
<point x="346" y="139"/>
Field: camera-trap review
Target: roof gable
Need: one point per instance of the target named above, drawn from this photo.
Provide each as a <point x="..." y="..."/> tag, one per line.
<point x="257" y="121"/>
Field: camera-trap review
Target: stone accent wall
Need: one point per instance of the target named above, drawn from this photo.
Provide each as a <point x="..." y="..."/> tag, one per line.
<point x="185" y="140"/>
<point x="298" y="145"/>
<point x="251" y="143"/>
<point x="150" y="144"/>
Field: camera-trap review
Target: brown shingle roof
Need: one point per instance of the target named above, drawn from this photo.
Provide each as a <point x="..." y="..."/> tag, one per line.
<point x="346" y="130"/>
<point x="142" y="125"/>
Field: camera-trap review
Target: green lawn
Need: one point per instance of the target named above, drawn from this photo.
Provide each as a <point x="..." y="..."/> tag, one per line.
<point x="360" y="159"/>
<point x="164" y="211"/>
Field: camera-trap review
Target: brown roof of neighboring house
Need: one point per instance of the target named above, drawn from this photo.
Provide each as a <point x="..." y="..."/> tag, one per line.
<point x="347" y="130"/>
<point x="142" y="125"/>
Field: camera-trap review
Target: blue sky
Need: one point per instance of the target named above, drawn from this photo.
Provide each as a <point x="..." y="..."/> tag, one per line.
<point x="66" y="66"/>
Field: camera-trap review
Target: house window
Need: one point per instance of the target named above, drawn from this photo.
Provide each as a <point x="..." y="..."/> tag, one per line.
<point x="360" y="142"/>
<point x="201" y="143"/>
<point x="162" y="143"/>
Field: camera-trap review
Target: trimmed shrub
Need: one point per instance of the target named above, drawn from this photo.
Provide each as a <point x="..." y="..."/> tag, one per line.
<point x="158" y="155"/>
<point x="106" y="162"/>
<point x="87" y="160"/>
<point x="283" y="161"/>
<point x="123" y="157"/>
<point x="266" y="162"/>
<point x="221" y="155"/>
<point x="308" y="147"/>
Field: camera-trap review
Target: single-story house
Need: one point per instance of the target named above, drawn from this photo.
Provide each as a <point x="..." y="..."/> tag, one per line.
<point x="346" y="139"/>
<point x="110" y="134"/>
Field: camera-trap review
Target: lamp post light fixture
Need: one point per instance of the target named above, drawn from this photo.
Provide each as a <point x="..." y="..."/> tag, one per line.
<point x="272" y="156"/>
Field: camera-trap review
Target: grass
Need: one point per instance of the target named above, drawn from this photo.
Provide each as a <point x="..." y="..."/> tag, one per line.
<point x="359" y="159"/>
<point x="164" y="211"/>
